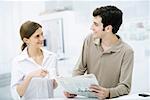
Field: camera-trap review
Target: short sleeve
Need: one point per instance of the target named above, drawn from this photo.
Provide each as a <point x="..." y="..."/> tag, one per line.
<point x="16" y="78"/>
<point x="17" y="75"/>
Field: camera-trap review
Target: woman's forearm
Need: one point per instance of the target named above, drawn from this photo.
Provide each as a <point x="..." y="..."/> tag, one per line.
<point x="21" y="88"/>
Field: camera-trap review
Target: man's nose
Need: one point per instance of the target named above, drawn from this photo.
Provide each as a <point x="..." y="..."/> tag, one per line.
<point x="91" y="27"/>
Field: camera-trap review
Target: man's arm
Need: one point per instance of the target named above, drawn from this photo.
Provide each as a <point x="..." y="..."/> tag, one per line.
<point x="79" y="68"/>
<point x="81" y="65"/>
<point x="124" y="84"/>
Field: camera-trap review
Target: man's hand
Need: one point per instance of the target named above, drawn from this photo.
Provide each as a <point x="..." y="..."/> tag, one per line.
<point x="99" y="91"/>
<point x="68" y="95"/>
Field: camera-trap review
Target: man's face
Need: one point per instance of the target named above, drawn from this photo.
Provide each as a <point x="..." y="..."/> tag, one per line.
<point x="97" y="27"/>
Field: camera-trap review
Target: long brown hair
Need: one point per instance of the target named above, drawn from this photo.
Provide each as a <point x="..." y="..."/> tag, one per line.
<point x="27" y="29"/>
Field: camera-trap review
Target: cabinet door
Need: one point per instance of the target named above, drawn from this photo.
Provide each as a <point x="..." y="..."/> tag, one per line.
<point x="53" y="30"/>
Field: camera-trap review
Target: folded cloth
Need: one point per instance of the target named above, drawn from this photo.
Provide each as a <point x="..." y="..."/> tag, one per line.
<point x="39" y="88"/>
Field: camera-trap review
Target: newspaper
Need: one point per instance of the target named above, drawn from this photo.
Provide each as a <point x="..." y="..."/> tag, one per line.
<point x="79" y="84"/>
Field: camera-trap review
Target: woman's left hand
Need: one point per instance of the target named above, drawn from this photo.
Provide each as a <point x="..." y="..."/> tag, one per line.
<point x="99" y="91"/>
<point x="54" y="84"/>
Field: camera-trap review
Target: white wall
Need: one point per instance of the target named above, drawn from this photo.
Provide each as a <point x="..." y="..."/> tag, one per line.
<point x="6" y="31"/>
<point x="140" y="82"/>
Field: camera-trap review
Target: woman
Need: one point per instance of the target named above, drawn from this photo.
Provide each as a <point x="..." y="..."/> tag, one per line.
<point x="33" y="65"/>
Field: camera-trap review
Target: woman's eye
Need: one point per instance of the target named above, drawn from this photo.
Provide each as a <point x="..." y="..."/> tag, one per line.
<point x="38" y="36"/>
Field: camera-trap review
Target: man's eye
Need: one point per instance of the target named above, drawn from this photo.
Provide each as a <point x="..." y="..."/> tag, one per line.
<point x="96" y="24"/>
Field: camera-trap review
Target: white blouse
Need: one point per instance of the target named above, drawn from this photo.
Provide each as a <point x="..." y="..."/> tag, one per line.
<point x="22" y="65"/>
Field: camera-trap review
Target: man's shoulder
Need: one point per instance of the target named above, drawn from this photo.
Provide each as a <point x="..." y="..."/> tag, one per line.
<point x="127" y="47"/>
<point x="89" y="38"/>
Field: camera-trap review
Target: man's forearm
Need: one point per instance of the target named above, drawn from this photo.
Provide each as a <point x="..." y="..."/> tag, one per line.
<point x="119" y="91"/>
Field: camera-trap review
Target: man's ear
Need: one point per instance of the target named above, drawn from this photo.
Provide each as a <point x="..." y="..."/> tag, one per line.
<point x="108" y="28"/>
<point x="25" y="40"/>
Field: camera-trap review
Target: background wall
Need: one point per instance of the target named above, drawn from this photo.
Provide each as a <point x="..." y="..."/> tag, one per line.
<point x="13" y="14"/>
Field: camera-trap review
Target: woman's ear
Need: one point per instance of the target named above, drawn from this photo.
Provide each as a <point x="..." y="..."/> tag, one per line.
<point x="25" y="40"/>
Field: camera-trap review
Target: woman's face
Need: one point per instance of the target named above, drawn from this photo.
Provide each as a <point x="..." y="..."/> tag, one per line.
<point x="36" y="39"/>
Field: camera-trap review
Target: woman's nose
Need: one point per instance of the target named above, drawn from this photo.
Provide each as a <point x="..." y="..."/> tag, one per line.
<point x="42" y="38"/>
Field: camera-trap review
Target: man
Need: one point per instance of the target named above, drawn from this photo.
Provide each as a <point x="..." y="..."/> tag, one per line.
<point x="106" y="55"/>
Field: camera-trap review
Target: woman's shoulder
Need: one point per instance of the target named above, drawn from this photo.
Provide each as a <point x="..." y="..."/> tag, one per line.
<point x="48" y="52"/>
<point x="17" y="58"/>
<point x="21" y="56"/>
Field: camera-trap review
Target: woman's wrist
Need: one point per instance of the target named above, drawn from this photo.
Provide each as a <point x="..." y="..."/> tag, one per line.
<point x="30" y="76"/>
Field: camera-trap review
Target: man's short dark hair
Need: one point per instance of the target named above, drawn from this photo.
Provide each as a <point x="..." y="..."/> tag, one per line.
<point x="110" y="15"/>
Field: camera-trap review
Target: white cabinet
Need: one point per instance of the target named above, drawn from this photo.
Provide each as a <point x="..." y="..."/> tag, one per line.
<point x="59" y="29"/>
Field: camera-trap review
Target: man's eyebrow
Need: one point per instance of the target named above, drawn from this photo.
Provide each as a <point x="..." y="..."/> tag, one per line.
<point x="95" y="23"/>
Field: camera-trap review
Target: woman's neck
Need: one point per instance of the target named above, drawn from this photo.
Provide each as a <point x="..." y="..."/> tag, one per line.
<point x="34" y="52"/>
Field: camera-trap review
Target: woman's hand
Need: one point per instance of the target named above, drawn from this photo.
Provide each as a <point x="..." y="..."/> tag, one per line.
<point x="54" y="84"/>
<point x="39" y="73"/>
<point x="21" y="88"/>
<point x="99" y="91"/>
<point x="68" y="95"/>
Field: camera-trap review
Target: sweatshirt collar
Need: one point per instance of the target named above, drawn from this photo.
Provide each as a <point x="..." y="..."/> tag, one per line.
<point x="115" y="48"/>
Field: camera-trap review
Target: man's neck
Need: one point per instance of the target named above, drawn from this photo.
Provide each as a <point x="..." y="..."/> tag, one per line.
<point x="109" y="41"/>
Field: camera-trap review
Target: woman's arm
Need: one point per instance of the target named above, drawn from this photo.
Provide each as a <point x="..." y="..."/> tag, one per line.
<point x="21" y="88"/>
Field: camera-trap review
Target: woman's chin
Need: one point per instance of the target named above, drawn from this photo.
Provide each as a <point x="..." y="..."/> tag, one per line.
<point x="95" y="36"/>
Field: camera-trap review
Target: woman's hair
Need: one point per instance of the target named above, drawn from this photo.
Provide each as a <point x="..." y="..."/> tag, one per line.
<point x="27" y="29"/>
